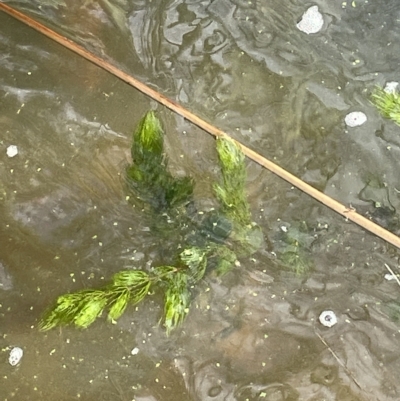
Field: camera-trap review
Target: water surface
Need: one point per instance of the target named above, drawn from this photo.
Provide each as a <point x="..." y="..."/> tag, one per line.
<point x="66" y="224"/>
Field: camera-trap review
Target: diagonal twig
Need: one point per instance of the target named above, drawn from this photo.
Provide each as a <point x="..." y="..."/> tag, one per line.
<point x="331" y="203"/>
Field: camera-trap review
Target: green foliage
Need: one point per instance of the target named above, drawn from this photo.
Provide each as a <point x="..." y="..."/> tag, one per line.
<point x="82" y="308"/>
<point x="294" y="247"/>
<point x="148" y="177"/>
<point x="297" y="261"/>
<point x="221" y="236"/>
<point x="196" y="260"/>
<point x="225" y="257"/>
<point x="230" y="192"/>
<point x="388" y="103"/>
<point x="177" y="300"/>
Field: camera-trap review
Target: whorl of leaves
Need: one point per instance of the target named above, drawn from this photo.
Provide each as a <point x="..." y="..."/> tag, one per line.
<point x="148" y="177"/>
<point x="387" y="103"/>
<point x="82" y="308"/>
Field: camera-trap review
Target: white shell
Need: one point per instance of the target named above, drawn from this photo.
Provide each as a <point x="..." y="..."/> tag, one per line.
<point x="311" y="21"/>
<point x="328" y="318"/>
<point x="12" y="151"/>
<point x="15" y="356"/>
<point x="355" y="119"/>
<point x="391" y="87"/>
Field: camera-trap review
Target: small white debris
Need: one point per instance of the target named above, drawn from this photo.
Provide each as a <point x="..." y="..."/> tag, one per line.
<point x="12" y="151"/>
<point x="328" y="318"/>
<point x="311" y="21"/>
<point x="390" y="277"/>
<point x="355" y="119"/>
<point x="391" y="87"/>
<point x="135" y="351"/>
<point x="15" y="356"/>
<point x="284" y="229"/>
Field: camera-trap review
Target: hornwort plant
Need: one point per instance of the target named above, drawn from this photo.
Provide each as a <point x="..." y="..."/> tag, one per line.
<point x="215" y="242"/>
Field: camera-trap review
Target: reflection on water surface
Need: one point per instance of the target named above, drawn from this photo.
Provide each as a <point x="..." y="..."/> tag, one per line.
<point x="253" y="334"/>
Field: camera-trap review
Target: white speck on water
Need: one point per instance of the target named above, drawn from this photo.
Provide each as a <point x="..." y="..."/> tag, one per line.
<point x="355" y="119"/>
<point x="328" y="318"/>
<point x="12" y="151"/>
<point x="311" y="21"/>
<point x="15" y="356"/>
<point x="135" y="351"/>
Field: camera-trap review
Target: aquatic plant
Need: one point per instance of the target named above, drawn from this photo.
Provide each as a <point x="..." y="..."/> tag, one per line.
<point x="219" y="238"/>
<point x="148" y="176"/>
<point x="293" y="249"/>
<point x="387" y="102"/>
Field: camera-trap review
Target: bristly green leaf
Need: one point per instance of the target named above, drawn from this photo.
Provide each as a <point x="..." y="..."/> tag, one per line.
<point x="177" y="301"/>
<point x="62" y="313"/>
<point x="388" y="103"/>
<point x="196" y="260"/>
<point x="130" y="278"/>
<point x="148" y="140"/>
<point x="119" y="304"/>
<point x="138" y="293"/>
<point x="231" y="191"/>
<point x="91" y="307"/>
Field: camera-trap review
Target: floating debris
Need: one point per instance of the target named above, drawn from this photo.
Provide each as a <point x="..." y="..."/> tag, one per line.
<point x="15" y="356"/>
<point x="12" y="151"/>
<point x="328" y="318"/>
<point x="135" y="351"/>
<point x="355" y="119"/>
<point x="311" y="21"/>
<point x="390" y="277"/>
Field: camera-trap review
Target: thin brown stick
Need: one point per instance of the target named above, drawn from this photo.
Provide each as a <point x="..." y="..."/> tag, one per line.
<point x="348" y="213"/>
<point x="392" y="273"/>
<point x="338" y="360"/>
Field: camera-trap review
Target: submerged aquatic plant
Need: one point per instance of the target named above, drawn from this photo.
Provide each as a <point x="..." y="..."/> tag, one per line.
<point x="221" y="236"/>
<point x="148" y="176"/>
<point x="230" y="192"/>
<point x="387" y="102"/>
<point x="294" y="248"/>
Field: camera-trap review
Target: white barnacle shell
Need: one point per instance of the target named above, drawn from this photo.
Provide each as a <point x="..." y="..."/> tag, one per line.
<point x="15" y="356"/>
<point x="311" y="21"/>
<point x="328" y="318"/>
<point x="355" y="119"/>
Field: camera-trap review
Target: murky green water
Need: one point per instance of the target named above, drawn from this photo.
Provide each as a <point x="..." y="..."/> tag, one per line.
<point x="65" y="223"/>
